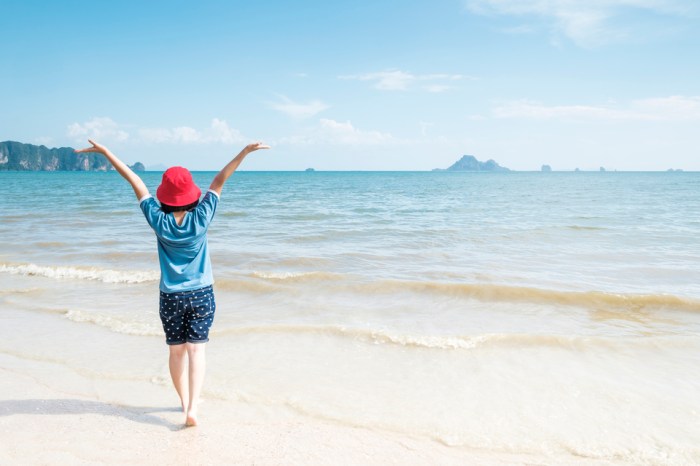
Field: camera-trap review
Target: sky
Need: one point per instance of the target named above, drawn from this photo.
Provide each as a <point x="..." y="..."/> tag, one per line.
<point x="362" y="85"/>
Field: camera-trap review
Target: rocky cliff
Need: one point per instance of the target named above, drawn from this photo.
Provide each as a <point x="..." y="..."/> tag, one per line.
<point x="28" y="157"/>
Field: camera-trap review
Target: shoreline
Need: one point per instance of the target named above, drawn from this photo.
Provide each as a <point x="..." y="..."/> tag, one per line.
<point x="78" y="393"/>
<point x="391" y="318"/>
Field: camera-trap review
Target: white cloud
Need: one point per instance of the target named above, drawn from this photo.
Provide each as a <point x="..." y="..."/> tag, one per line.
<point x="218" y="132"/>
<point x="100" y="128"/>
<point x="587" y="23"/>
<point x="536" y="110"/>
<point x="341" y="133"/>
<point x="397" y="80"/>
<point x="298" y="110"/>
<point x="346" y="133"/>
<point x="673" y="108"/>
<point x="186" y="134"/>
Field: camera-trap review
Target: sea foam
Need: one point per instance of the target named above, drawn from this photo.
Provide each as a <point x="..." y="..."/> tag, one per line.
<point x="81" y="273"/>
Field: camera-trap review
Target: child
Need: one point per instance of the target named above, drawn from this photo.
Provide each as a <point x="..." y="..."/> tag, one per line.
<point x="186" y="296"/>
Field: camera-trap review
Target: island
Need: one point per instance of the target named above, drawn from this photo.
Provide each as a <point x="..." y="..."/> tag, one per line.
<point x="546" y="168"/>
<point x="18" y="156"/>
<point x="310" y="170"/>
<point x="469" y="163"/>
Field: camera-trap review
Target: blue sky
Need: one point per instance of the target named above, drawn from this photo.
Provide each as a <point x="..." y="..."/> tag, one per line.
<point x="381" y="85"/>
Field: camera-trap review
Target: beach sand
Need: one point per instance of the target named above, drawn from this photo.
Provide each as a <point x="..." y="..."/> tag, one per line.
<point x="135" y="423"/>
<point x="77" y="392"/>
<point x="50" y="416"/>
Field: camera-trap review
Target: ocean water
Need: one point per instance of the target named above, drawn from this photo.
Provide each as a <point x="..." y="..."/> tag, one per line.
<point x="552" y="314"/>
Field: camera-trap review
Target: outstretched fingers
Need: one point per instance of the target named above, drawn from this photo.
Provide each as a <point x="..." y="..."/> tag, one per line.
<point x="257" y="146"/>
<point x="95" y="148"/>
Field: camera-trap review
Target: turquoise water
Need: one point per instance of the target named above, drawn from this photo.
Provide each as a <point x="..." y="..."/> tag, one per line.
<point x="617" y="232"/>
<point x="514" y="312"/>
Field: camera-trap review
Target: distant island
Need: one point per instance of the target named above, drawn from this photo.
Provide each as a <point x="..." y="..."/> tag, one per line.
<point x="28" y="157"/>
<point x="469" y="163"/>
<point x="310" y="170"/>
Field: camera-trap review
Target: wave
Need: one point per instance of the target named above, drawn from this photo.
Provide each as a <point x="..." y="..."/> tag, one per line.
<point x="16" y="291"/>
<point x="500" y="293"/>
<point x="382" y="337"/>
<point x="366" y="335"/>
<point x="51" y="244"/>
<point x="585" y="228"/>
<point x="343" y="283"/>
<point x="300" y="262"/>
<point x="453" y="342"/>
<point x="114" y="324"/>
<point x="13" y="218"/>
<point x="271" y="282"/>
<point x="81" y="273"/>
<point x="332" y="282"/>
<point x="233" y="214"/>
<point x="372" y="336"/>
<point x="487" y="292"/>
<point x="297" y="276"/>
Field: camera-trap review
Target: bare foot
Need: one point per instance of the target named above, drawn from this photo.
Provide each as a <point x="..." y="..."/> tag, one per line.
<point x="191" y="419"/>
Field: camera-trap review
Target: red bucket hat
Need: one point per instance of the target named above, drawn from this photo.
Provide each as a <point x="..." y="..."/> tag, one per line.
<point x="177" y="188"/>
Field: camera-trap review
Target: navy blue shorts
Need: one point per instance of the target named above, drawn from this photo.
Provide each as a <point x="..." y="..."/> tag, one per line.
<point x="187" y="315"/>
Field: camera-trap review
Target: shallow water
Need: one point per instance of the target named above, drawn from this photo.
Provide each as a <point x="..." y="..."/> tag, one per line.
<point x="555" y="314"/>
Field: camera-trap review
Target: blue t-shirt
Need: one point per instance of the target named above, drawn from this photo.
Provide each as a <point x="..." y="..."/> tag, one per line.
<point x="182" y="249"/>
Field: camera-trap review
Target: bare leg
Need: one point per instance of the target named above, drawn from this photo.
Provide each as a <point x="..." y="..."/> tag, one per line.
<point x="177" y="363"/>
<point x="196" y="353"/>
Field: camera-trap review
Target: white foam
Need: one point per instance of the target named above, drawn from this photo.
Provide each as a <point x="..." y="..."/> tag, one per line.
<point x="455" y="342"/>
<point x="81" y="273"/>
<point x="296" y="276"/>
<point x="114" y="324"/>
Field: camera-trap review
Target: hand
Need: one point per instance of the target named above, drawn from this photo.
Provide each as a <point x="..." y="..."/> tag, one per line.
<point x="99" y="148"/>
<point x="255" y="146"/>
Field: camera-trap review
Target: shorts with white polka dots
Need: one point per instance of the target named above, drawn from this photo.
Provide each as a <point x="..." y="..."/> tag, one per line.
<point x="187" y="315"/>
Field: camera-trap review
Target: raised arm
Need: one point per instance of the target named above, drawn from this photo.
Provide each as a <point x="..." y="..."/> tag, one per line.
<point x="218" y="183"/>
<point x="134" y="180"/>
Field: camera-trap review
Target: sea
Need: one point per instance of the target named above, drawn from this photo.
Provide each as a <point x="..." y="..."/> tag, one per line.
<point x="547" y="314"/>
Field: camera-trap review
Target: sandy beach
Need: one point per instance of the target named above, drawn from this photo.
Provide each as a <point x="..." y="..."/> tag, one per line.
<point x="52" y="416"/>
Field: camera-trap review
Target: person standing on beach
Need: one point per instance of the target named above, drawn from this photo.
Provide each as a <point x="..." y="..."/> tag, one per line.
<point x="187" y="302"/>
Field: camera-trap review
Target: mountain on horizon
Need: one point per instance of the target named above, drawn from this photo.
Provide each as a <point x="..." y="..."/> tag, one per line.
<point x="19" y="156"/>
<point x="469" y="163"/>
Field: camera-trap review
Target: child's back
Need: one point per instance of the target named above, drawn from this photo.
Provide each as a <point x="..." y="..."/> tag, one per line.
<point x="182" y="246"/>
<point x="187" y="304"/>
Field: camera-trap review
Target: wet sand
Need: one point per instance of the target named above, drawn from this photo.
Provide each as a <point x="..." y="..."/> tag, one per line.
<point x="48" y="416"/>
